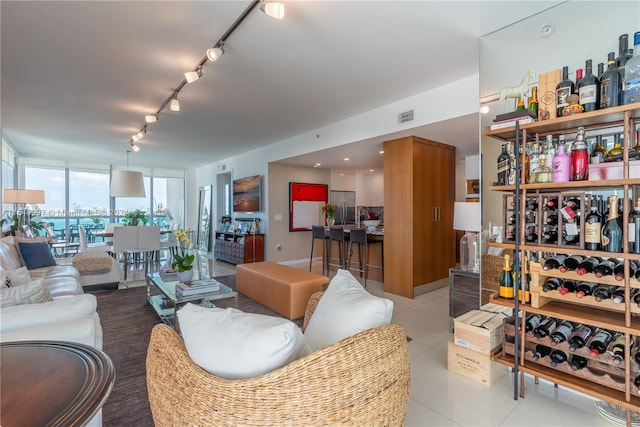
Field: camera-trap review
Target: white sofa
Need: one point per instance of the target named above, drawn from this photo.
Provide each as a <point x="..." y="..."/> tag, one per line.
<point x="70" y="316"/>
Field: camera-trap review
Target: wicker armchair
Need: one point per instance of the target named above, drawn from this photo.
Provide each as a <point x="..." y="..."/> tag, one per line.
<point x="362" y="380"/>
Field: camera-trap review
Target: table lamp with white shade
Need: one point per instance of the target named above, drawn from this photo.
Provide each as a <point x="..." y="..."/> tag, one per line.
<point x="21" y="198"/>
<point x="466" y="217"/>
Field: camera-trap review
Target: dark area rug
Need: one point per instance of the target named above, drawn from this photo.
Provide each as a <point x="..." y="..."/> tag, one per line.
<point x="127" y="321"/>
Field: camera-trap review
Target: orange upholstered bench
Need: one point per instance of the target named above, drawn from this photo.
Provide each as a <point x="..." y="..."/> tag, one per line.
<point x="285" y="290"/>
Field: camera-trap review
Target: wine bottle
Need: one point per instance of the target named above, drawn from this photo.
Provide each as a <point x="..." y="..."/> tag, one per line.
<point x="579" y="337"/>
<point x="593" y="228"/>
<point x="578" y="80"/>
<point x="551" y="220"/>
<point x="612" y="229"/>
<point x="617" y="147"/>
<point x="533" y="101"/>
<point x="526" y="281"/>
<point x="550" y="236"/>
<point x="557" y="357"/>
<point x="563" y="90"/>
<point x="541" y="351"/>
<point x="551" y="204"/>
<point x="572" y="263"/>
<point x="552" y="284"/>
<point x="531" y="237"/>
<point x="632" y="74"/>
<point x="600" y="70"/>
<point x="611" y="84"/>
<point x="602" y="292"/>
<point x="546" y="327"/>
<point x="578" y="362"/>
<point x="588" y="265"/>
<point x="623" y="49"/>
<point x="617" y="348"/>
<point x="600" y="152"/>
<point x="567" y="286"/>
<point x="533" y="320"/>
<point x="637" y="356"/>
<point x="579" y="158"/>
<point x="618" y="295"/>
<point x="503" y="166"/>
<point x="589" y="89"/>
<point x="542" y="173"/>
<point x="532" y="204"/>
<point x="636" y="382"/>
<point x="561" y="333"/>
<point x="605" y="267"/>
<point x="506" y="279"/>
<point x="618" y="270"/>
<point x="585" y="289"/>
<point x="555" y="262"/>
<point x="599" y="343"/>
<point x="634" y="229"/>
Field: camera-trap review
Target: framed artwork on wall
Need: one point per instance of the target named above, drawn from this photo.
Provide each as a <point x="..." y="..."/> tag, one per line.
<point x="305" y="204"/>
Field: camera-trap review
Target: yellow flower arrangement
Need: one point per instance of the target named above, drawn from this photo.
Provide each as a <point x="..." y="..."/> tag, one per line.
<point x="329" y="208"/>
<point x="183" y="262"/>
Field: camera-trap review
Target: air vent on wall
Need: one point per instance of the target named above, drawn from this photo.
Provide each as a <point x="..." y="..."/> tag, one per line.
<point x="405" y="117"/>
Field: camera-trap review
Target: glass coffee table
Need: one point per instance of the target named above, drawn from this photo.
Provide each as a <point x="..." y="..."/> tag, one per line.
<point x="166" y="302"/>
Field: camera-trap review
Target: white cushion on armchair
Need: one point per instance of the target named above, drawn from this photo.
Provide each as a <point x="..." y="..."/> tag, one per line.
<point x="48" y="316"/>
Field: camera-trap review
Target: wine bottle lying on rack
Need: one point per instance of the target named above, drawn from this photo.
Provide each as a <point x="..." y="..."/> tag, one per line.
<point x="552" y="284"/>
<point x="606" y="267"/>
<point x="572" y="263"/>
<point x="561" y="333"/>
<point x="585" y="289"/>
<point x="616" y="349"/>
<point x="555" y="262"/>
<point x="618" y="271"/>
<point x="599" y="342"/>
<point x="588" y="265"/>
<point x="579" y="337"/>
<point x="541" y="351"/>
<point x="578" y="362"/>
<point x="557" y="357"/>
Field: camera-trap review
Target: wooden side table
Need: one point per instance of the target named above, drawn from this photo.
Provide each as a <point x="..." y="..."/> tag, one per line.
<point x="52" y="383"/>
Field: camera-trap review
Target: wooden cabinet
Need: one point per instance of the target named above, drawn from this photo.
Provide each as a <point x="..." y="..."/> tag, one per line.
<point x="419" y="179"/>
<point x="615" y="384"/>
<point x="239" y="248"/>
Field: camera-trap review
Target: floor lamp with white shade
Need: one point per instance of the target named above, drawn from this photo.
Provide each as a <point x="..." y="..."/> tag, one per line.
<point x="466" y="217"/>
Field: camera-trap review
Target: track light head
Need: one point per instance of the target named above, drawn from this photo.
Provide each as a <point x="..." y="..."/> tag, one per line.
<point x="274" y="9"/>
<point x="175" y="104"/>
<point x="138" y="136"/>
<point x="151" y="118"/>
<point x="215" y="53"/>
<point x="192" y="76"/>
<point x="134" y="147"/>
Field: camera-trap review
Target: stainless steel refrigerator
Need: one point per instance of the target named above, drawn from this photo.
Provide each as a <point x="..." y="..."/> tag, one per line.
<point x="346" y="202"/>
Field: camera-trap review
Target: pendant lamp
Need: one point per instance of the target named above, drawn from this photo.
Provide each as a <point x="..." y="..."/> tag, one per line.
<point x="126" y="183"/>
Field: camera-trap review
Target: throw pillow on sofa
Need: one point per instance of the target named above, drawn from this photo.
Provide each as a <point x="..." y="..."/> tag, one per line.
<point x="32" y="293"/>
<point x="345" y="309"/>
<point x="36" y="254"/>
<point x="232" y="344"/>
<point x="17" y="277"/>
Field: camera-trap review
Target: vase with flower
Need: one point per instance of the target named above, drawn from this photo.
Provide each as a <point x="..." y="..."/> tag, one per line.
<point x="330" y="209"/>
<point x="183" y="261"/>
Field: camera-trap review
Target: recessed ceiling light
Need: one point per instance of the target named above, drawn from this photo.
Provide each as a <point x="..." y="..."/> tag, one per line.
<point x="546" y="30"/>
<point x="346" y="159"/>
<point x="317" y="165"/>
<point x="381" y="152"/>
<point x="370" y="170"/>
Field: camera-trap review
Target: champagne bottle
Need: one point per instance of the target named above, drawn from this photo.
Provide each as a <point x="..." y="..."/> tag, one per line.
<point x="572" y="263"/>
<point x="606" y="267"/>
<point x="541" y="351"/>
<point x="602" y="292"/>
<point x="634" y="228"/>
<point x="526" y="282"/>
<point x="612" y="229"/>
<point x="520" y="104"/>
<point x="546" y="327"/>
<point x="588" y="265"/>
<point x="579" y="337"/>
<point x="589" y="89"/>
<point x="585" y="289"/>
<point x="503" y="166"/>
<point x="593" y="228"/>
<point x="578" y="362"/>
<point x="567" y="286"/>
<point x="532" y="322"/>
<point x="506" y="279"/>
<point x="555" y="262"/>
<point x="533" y="101"/>
<point x="617" y="348"/>
<point x="611" y="84"/>
<point x="599" y="342"/>
<point x="552" y="284"/>
<point x="600" y="152"/>
<point x="579" y="158"/>
<point x="563" y="90"/>
<point x="561" y="334"/>
<point x="557" y="357"/>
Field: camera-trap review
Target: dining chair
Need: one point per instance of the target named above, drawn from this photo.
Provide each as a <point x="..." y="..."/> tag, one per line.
<point x="149" y="242"/>
<point x="125" y="242"/>
<point x="85" y="246"/>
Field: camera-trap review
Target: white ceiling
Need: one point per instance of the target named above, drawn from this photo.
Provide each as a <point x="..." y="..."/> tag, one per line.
<point x="78" y="77"/>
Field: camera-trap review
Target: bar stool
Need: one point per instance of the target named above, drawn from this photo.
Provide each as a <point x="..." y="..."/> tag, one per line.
<point x="317" y="232"/>
<point x="336" y="234"/>
<point x="359" y="237"/>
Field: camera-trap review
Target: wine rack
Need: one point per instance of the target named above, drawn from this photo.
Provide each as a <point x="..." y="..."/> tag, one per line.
<point x="616" y="384"/>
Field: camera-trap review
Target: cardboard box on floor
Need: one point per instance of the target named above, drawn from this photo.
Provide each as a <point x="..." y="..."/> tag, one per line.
<point x="481" y="330"/>
<point x="474" y="365"/>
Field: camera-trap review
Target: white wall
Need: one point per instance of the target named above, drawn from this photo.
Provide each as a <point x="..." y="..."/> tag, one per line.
<point x="446" y="102"/>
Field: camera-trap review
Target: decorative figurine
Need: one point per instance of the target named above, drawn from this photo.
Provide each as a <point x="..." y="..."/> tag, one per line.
<point x="517" y="91"/>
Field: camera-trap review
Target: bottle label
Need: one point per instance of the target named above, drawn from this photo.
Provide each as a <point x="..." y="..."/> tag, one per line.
<point x="503" y="166"/>
<point x="588" y="94"/>
<point x="527" y="296"/>
<point x="604" y="92"/>
<point x="592" y="231"/>
<point x="562" y="96"/>
<point x="632" y="232"/>
<point x="506" y="292"/>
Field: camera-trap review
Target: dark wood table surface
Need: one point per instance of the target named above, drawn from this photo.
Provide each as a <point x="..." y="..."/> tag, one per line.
<point x="52" y="383"/>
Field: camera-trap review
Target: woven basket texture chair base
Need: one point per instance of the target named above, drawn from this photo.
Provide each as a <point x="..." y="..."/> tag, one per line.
<point x="362" y="380"/>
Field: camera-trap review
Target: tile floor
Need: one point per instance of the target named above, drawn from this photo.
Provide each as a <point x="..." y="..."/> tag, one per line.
<point x="442" y="398"/>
